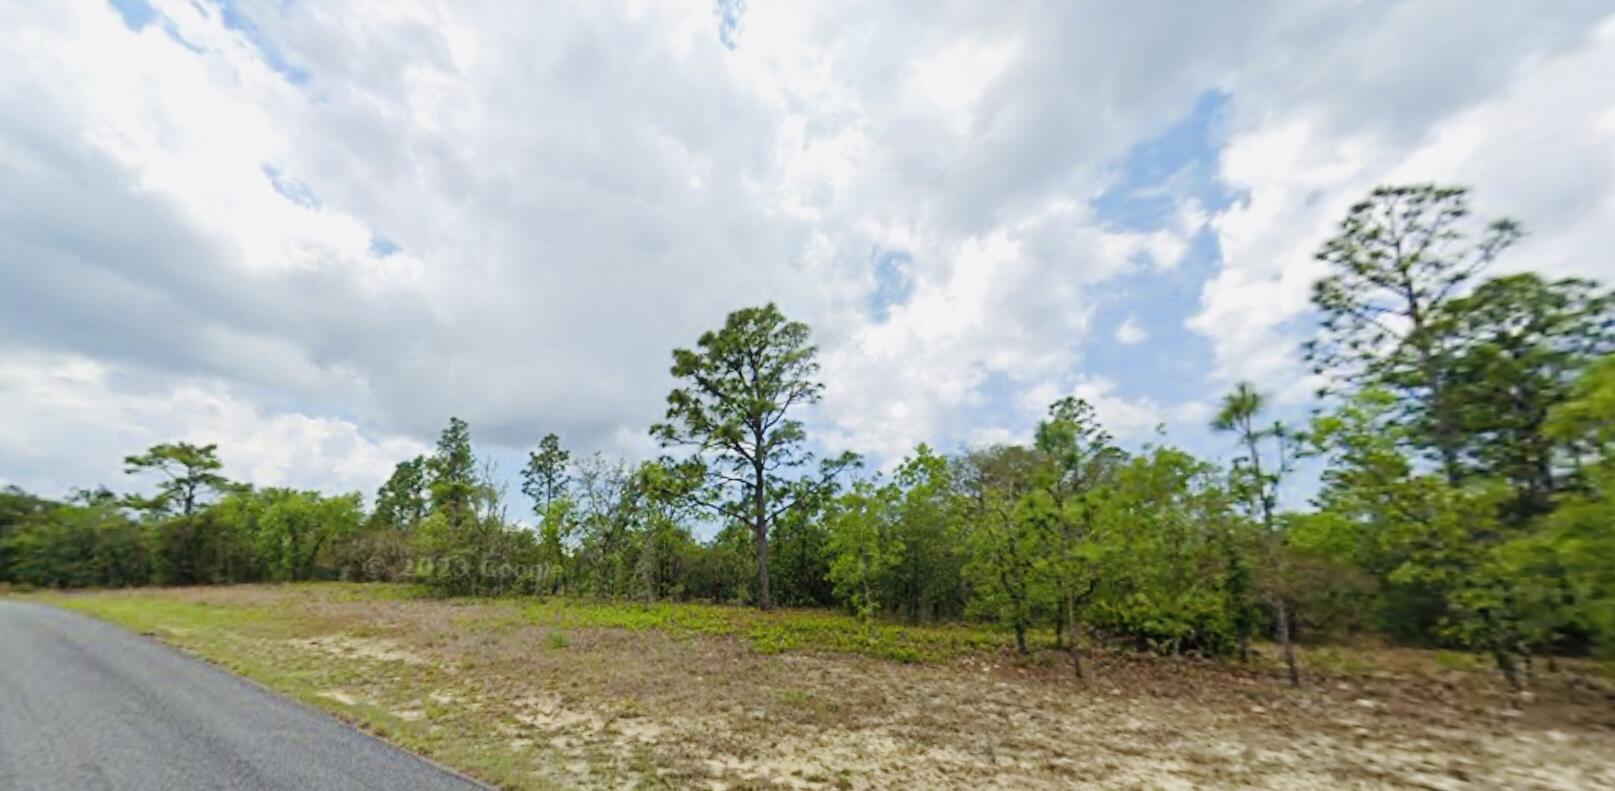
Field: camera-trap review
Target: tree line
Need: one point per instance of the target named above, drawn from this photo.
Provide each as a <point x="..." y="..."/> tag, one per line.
<point x="1464" y="439"/>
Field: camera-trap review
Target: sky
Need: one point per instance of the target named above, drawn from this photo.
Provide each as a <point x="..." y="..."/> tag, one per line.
<point x="310" y="232"/>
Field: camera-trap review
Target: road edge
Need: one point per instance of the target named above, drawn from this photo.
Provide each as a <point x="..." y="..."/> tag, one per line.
<point x="265" y="688"/>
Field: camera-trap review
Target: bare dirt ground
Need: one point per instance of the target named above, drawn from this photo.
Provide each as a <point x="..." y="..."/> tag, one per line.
<point x="519" y="703"/>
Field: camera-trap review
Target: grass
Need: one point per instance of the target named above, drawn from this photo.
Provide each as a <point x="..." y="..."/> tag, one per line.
<point x="777" y="631"/>
<point x="257" y="641"/>
<point x="424" y="707"/>
<point x="1453" y="660"/>
<point x="772" y="632"/>
<point x="1333" y="661"/>
<point x="566" y="693"/>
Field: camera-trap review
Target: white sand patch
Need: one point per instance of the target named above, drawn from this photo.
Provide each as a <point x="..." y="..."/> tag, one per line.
<point x="371" y="648"/>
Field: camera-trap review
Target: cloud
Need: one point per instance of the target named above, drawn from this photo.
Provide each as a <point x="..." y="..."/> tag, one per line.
<point x="379" y="214"/>
<point x="525" y="302"/>
<point x="1130" y="420"/>
<point x="1139" y="419"/>
<point x="1130" y="333"/>
<point x="1528" y="130"/>
<point x="103" y="414"/>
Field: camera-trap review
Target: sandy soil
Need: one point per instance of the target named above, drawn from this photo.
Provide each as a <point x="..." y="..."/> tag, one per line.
<point x="601" y="707"/>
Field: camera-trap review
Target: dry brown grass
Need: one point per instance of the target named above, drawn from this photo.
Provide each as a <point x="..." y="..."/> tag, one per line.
<point x="523" y="701"/>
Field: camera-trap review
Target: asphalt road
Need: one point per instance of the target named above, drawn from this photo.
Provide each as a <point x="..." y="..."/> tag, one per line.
<point x="86" y="705"/>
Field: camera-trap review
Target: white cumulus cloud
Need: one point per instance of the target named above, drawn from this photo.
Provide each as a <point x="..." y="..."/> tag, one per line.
<point x="314" y="239"/>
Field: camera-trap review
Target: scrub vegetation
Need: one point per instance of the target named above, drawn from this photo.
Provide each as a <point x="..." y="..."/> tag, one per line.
<point x="1464" y="445"/>
<point x="575" y="693"/>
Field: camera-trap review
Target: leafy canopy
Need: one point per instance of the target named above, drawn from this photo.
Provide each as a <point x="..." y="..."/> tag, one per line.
<point x="190" y="473"/>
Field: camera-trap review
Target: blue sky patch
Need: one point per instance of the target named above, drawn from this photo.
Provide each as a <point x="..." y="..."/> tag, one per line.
<point x="291" y="189"/>
<point x="894" y="283"/>
<point x="1154" y="178"/>
<point x="231" y="15"/>
<point x="136" y="13"/>
<point x="381" y="246"/>
<point x="729" y="13"/>
<point x="1180" y="163"/>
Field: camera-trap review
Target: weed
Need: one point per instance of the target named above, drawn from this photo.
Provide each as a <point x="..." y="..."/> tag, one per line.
<point x="1454" y="660"/>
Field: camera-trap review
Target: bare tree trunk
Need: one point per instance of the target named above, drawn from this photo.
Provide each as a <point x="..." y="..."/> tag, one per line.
<point x="1284" y="640"/>
<point x="868" y="614"/>
<point x="1505" y="663"/>
<point x="763" y="601"/>
<point x="760" y="532"/>
<point x="1071" y="636"/>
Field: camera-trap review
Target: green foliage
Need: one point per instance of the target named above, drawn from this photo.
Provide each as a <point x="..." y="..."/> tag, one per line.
<point x="775" y="631"/>
<point x="452" y="476"/>
<point x="1255" y="481"/>
<point x="1197" y="621"/>
<point x="1466" y="462"/>
<point x="799" y="556"/>
<point x="1440" y="552"/>
<point x="77" y="546"/>
<point x="401" y="502"/>
<point x="1501" y="380"/>
<point x="1585" y="420"/>
<point x="294" y="528"/>
<point x="1516" y="345"/>
<point x="1069" y="491"/>
<point x="1570" y="559"/>
<point x="1006" y="544"/>
<point x="545" y="477"/>
<point x="189" y="474"/>
<point x="18" y="510"/>
<point x="1165" y="531"/>
<point x="926" y="582"/>
<point x="1400" y="256"/>
<point x="371" y="555"/>
<point x="546" y="480"/>
<point x="726" y="570"/>
<point x="464" y="545"/>
<point x="201" y="549"/>
<point x="1267" y="454"/>
<point x="864" y="546"/>
<point x="734" y="409"/>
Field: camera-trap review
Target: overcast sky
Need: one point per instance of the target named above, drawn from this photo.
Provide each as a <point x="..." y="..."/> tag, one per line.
<point x="312" y="231"/>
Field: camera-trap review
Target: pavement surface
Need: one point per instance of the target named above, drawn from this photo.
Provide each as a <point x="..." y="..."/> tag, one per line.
<point x="87" y="705"/>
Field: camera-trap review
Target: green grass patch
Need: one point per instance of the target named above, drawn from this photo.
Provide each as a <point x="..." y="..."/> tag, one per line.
<point x="776" y="631"/>
<point x="770" y="632"/>
<point x="256" y="642"/>
<point x="1333" y="662"/>
<point x="196" y="624"/>
<point x="182" y="622"/>
<point x="1456" y="660"/>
